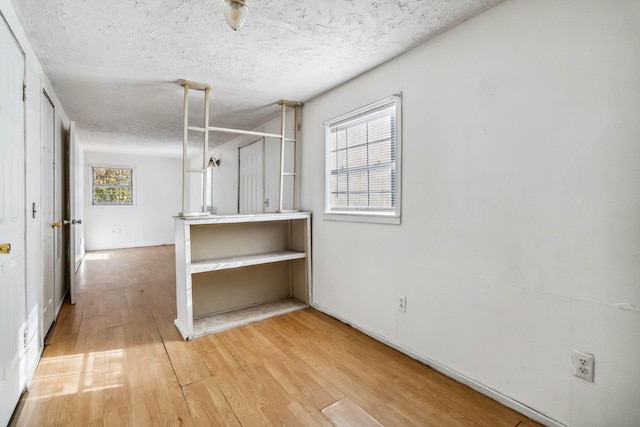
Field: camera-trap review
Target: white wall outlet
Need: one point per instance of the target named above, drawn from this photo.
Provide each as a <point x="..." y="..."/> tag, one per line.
<point x="583" y="365"/>
<point x="402" y="303"/>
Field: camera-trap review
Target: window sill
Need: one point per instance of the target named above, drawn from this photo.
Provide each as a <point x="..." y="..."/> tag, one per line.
<point x="112" y="205"/>
<point x="364" y="217"/>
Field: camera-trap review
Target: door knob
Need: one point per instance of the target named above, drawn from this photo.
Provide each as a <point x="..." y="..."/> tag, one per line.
<point x="5" y="248"/>
<point x="56" y="224"/>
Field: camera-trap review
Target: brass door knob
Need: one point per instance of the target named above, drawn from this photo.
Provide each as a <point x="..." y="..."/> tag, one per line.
<point x="5" y="248"/>
<point x="56" y="224"/>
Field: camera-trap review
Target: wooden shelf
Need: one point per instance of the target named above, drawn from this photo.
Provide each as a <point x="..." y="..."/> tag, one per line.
<point x="223" y="321"/>
<point x="259" y="266"/>
<point x="225" y="263"/>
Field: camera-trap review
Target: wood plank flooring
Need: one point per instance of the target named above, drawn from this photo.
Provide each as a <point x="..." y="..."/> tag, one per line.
<point x="116" y="359"/>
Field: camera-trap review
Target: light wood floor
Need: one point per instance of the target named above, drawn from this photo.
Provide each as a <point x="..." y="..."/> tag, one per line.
<point x="116" y="359"/>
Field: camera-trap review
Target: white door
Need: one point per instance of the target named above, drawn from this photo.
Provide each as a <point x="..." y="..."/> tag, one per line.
<point x="59" y="208"/>
<point x="12" y="223"/>
<point x="75" y="255"/>
<point x="251" y="178"/>
<point x="49" y="231"/>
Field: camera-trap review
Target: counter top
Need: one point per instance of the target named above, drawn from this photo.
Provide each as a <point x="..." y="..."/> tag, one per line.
<point x="236" y="218"/>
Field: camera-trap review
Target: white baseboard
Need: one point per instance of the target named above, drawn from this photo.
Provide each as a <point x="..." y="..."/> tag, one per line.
<point x="33" y="355"/>
<point x="480" y="388"/>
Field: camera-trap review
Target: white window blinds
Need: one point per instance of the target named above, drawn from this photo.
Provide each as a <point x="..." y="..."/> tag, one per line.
<point x="362" y="167"/>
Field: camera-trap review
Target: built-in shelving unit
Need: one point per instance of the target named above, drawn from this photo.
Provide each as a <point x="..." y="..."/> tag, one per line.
<point x="235" y="269"/>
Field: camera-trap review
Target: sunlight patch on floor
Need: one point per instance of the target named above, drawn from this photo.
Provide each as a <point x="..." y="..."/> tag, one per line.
<point x="96" y="256"/>
<point x="79" y="373"/>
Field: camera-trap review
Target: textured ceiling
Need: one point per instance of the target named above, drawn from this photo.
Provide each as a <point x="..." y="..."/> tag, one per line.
<point x="114" y="64"/>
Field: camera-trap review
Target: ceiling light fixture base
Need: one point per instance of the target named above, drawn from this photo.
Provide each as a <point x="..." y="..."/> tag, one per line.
<point x="235" y="13"/>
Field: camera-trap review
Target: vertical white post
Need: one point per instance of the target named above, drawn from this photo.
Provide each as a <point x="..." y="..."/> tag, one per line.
<point x="185" y="140"/>
<point x="205" y="150"/>
<point x="296" y="159"/>
<point x="283" y="131"/>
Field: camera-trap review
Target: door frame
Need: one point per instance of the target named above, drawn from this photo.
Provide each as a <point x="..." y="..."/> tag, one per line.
<point x="262" y="155"/>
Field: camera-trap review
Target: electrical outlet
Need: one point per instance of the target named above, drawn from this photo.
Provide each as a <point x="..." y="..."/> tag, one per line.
<point x="402" y="303"/>
<point x="583" y="365"/>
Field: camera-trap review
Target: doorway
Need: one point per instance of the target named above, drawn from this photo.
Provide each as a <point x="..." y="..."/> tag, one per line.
<point x="50" y="230"/>
<point x="251" y="178"/>
<point x="73" y="238"/>
<point x="53" y="234"/>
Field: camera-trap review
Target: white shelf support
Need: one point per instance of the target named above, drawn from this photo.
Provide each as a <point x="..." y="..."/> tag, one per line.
<point x="185" y="143"/>
<point x="283" y="140"/>
<point x="283" y="131"/>
<point x="186" y="170"/>
<point x="205" y="151"/>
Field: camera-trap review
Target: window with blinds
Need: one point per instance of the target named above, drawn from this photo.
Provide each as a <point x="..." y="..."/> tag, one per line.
<point x="362" y="160"/>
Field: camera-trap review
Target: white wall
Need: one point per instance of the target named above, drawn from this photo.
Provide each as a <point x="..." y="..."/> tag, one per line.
<point x="157" y="199"/>
<point x="36" y="81"/>
<point x="521" y="207"/>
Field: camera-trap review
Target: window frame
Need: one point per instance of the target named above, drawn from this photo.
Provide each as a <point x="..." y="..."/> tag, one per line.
<point x="386" y="216"/>
<point x="132" y="186"/>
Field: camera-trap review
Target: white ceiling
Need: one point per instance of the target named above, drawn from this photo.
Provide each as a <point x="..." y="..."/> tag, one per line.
<point x="114" y="64"/>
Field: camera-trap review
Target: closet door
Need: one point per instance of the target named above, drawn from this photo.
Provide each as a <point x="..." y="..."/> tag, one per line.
<point x="50" y="234"/>
<point x="12" y="223"/>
